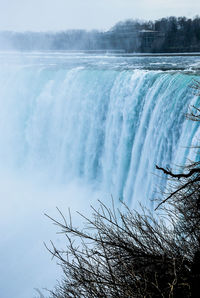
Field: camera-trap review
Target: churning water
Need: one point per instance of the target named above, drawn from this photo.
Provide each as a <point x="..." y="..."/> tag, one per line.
<point x="77" y="127"/>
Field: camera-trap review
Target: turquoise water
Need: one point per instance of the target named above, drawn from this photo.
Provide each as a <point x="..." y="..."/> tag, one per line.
<point x="105" y="120"/>
<point x="101" y="122"/>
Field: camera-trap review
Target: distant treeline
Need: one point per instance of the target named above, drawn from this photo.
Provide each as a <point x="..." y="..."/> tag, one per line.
<point x="170" y="34"/>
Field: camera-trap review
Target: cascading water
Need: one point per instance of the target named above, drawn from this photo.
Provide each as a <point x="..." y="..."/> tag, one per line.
<point x="102" y="121"/>
<point x="107" y="128"/>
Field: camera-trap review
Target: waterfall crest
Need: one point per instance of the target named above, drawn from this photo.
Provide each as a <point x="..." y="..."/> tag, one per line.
<point x="107" y="127"/>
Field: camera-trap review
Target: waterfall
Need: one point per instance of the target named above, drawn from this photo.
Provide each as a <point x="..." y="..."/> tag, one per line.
<point x="104" y="127"/>
<point x="75" y="128"/>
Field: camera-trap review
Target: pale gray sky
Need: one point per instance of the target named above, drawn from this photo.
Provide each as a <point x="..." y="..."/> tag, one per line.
<point x="42" y="15"/>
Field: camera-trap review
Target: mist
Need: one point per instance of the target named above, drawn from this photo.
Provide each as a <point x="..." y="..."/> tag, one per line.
<point x="169" y="34"/>
<point x="76" y="128"/>
<point x="25" y="262"/>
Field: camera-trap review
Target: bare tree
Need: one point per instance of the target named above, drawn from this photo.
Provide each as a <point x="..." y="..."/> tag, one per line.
<point x="130" y="254"/>
<point x="127" y="255"/>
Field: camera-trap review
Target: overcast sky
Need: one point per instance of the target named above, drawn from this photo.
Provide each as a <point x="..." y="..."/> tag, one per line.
<point x="42" y="15"/>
